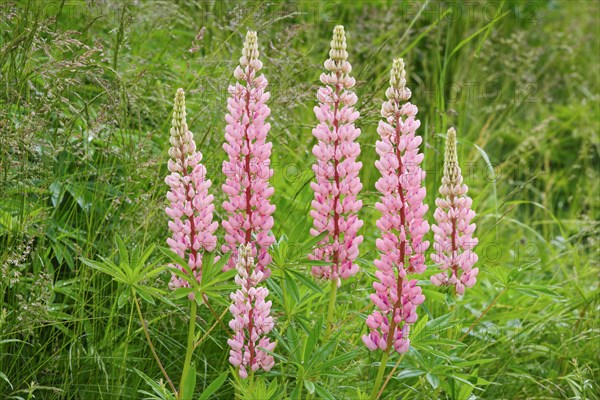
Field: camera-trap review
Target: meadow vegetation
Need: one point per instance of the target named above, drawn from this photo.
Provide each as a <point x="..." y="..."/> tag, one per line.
<point x="85" y="109"/>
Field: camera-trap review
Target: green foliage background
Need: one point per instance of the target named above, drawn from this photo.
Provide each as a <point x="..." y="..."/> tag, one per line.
<point x="85" y="102"/>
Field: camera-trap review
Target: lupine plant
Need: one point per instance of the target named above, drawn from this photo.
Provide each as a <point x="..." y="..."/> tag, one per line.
<point x="454" y="241"/>
<point x="248" y="168"/>
<point x="401" y="224"/>
<point x="190" y="205"/>
<point x="335" y="206"/>
<point x="191" y="213"/>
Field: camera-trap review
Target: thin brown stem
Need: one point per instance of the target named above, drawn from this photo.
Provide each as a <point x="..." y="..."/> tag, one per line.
<point x="387" y="379"/>
<point x="210" y="330"/>
<point x="147" y="333"/>
<point x="212" y="310"/>
<point x="488" y="308"/>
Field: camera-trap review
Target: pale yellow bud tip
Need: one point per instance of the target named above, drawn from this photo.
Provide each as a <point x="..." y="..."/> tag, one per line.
<point x="398" y="75"/>
<point x="451" y="134"/>
<point x="338" y="45"/>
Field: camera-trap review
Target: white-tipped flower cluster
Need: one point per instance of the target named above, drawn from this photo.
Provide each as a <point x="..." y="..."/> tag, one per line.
<point x="249" y="60"/>
<point x="454" y="232"/>
<point x="338" y="56"/>
<point x="181" y="139"/>
<point x="190" y="205"/>
<point x="397" y="92"/>
<point x="452" y="181"/>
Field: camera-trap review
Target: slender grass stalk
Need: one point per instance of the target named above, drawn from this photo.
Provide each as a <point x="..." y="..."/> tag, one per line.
<point x="331" y="307"/>
<point x="387" y="379"/>
<point x="212" y="310"/>
<point x="124" y="360"/>
<point x="147" y="333"/>
<point x="190" y="344"/>
<point x="487" y="309"/>
<point x="203" y="338"/>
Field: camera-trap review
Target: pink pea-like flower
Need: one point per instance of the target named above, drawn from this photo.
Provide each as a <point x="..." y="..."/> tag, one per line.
<point x="401" y="224"/>
<point x="335" y="205"/>
<point x="190" y="206"/>
<point x="248" y="167"/>
<point x="453" y="231"/>
<point x="251" y="318"/>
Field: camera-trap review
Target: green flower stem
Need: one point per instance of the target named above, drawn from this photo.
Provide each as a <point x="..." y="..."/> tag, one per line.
<point x="190" y="344"/>
<point x="380" y="374"/>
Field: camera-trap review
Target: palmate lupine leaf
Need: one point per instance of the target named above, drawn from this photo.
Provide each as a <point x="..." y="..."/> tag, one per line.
<point x="214" y="280"/>
<point x="132" y="271"/>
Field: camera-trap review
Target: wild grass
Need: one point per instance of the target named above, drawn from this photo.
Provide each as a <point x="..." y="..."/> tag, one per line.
<point x="84" y="115"/>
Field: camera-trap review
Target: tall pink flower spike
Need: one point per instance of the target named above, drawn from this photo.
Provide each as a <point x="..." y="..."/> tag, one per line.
<point x="251" y="320"/>
<point x="335" y="207"/>
<point x="191" y="208"/>
<point x="454" y="241"/>
<point x="248" y="168"/>
<point x="401" y="223"/>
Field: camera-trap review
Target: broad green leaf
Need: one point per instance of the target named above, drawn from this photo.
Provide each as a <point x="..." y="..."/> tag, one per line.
<point x="123" y="253"/>
<point x="323" y="393"/>
<point x="308" y="282"/>
<point x="123" y="298"/>
<point x="214" y="386"/>
<point x="309" y="386"/>
<point x="433" y="380"/>
<point x="291" y="288"/>
<point x="410" y="373"/>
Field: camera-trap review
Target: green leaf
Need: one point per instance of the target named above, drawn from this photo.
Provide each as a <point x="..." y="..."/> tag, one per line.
<point x="188" y="274"/>
<point x="323" y="393"/>
<point x="5" y="378"/>
<point x="313" y="338"/>
<point x="535" y="290"/>
<point x="342" y="359"/>
<point x="182" y="292"/>
<point x="214" y="386"/>
<point x="160" y="391"/>
<point x="108" y="268"/>
<point x="294" y="344"/>
<point x="123" y="253"/>
<point x="144" y="294"/>
<point x="123" y="298"/>
<point x="308" y="282"/>
<point x="433" y="380"/>
<point x="290" y="287"/>
<point x="410" y="373"/>
<point x="309" y="386"/>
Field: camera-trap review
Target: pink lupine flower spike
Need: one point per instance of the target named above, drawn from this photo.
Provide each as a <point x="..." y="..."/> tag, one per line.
<point x="454" y="240"/>
<point x="248" y="167"/>
<point x="335" y="205"/>
<point x="251" y="318"/>
<point x="401" y="224"/>
<point x="190" y="208"/>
